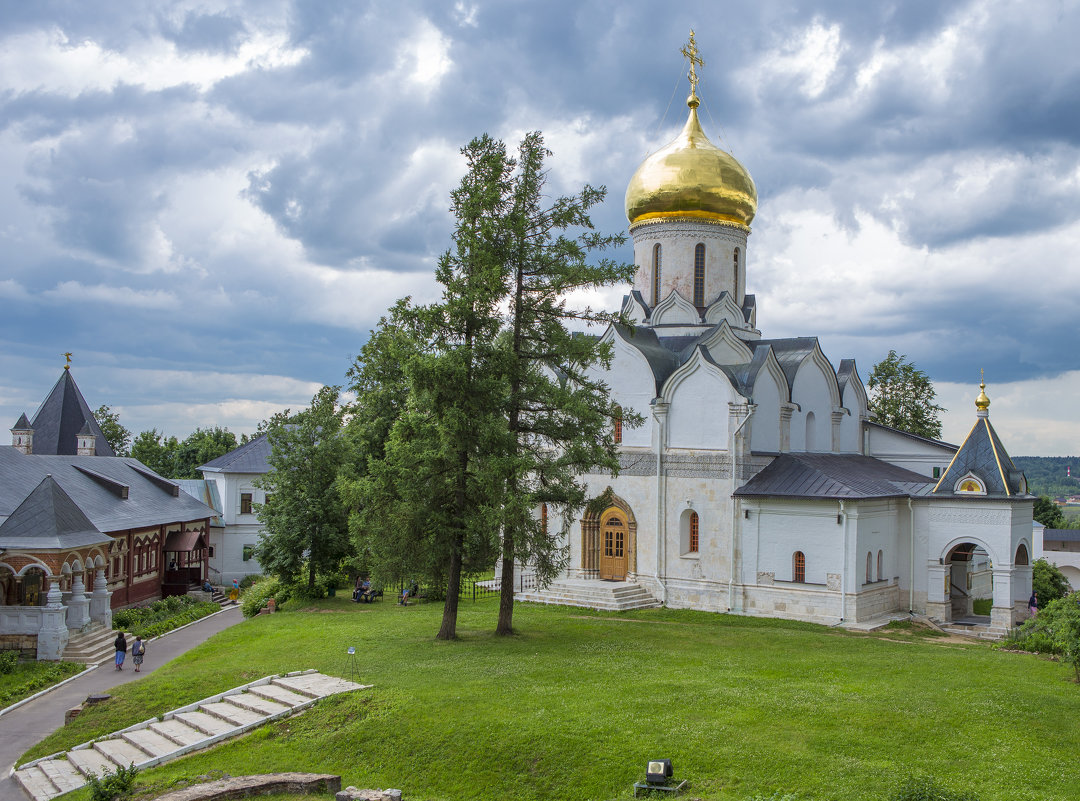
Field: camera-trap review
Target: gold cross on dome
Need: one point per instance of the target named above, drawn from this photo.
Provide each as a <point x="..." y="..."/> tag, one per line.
<point x="691" y="52"/>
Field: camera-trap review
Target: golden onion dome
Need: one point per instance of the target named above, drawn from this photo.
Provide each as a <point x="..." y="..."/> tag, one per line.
<point x="691" y="177"/>
<point x="982" y="403"/>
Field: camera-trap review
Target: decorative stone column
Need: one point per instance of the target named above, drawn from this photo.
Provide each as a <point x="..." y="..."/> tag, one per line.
<point x="786" y="411"/>
<point x="53" y="634"/>
<point x="78" y="606"/>
<point x="937" y="605"/>
<point x="100" y="609"/>
<point x="838" y="413"/>
<point x="1001" y="615"/>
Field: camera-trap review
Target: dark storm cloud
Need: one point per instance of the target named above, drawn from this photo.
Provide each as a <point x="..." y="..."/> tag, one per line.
<point x="326" y="150"/>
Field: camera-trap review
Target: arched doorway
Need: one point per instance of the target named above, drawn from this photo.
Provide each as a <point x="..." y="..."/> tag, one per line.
<point x="613" y="545"/>
<point x="969" y="580"/>
<point x="609" y="540"/>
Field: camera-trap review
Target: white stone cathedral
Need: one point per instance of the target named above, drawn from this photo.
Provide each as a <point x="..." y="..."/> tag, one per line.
<point x="759" y="484"/>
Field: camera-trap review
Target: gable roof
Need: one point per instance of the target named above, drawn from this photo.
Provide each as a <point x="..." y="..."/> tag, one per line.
<point x="833" y="476"/>
<point x="983" y="455"/>
<point x="60" y="419"/>
<point x="48" y="518"/>
<point x="251" y="457"/>
<point x="207" y="492"/>
<point x="91" y="482"/>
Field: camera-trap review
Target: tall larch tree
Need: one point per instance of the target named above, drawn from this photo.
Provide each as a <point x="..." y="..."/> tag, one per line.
<point x="559" y="417"/>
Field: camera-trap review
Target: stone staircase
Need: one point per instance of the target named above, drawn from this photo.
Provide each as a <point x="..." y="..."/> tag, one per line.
<point x="181" y="731"/>
<point x="615" y="596"/>
<point x="91" y="647"/>
<point x="977" y="627"/>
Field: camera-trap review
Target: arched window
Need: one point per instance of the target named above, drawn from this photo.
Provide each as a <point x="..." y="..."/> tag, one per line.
<point x="618" y="421"/>
<point x="543" y="518"/>
<point x="699" y="275"/>
<point x="880" y="565"/>
<point x="869" y="567"/>
<point x="1021" y="555"/>
<point x="798" y="571"/>
<point x="735" y="279"/>
<point x="656" y="273"/>
<point x="693" y="532"/>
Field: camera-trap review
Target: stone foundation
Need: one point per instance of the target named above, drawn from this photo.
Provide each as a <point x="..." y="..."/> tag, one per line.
<point x="250" y="786"/>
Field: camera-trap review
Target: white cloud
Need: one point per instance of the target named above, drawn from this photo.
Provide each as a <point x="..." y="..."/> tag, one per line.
<point x="123" y="296"/>
<point x="1033" y="418"/>
<point x="49" y="61"/>
<point x="809" y="57"/>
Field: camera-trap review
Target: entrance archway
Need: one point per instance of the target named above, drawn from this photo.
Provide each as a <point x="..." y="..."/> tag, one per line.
<point x="609" y="542"/>
<point x="969" y="580"/>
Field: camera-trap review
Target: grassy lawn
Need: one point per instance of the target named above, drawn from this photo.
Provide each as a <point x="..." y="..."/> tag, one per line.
<point x="31" y="677"/>
<point x="574" y="706"/>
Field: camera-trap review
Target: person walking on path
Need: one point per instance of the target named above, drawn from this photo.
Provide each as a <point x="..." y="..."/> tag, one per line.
<point x="234" y="593"/>
<point x="1033" y="604"/>
<point x="23" y="727"/>
<point x="138" y="649"/>
<point x="120" y="644"/>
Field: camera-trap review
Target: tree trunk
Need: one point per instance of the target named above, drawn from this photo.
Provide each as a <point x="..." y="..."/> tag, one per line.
<point x="506" y="592"/>
<point x="448" y="631"/>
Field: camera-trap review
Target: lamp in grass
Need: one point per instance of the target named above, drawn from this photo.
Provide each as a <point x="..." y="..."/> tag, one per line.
<point x="658" y="771"/>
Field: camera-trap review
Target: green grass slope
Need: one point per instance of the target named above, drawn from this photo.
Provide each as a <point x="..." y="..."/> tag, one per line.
<point x="574" y="706"/>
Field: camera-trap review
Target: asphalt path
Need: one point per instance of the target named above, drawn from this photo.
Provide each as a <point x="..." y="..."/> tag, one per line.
<point x="21" y="728"/>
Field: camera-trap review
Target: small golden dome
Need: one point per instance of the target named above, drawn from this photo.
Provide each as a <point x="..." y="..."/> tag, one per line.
<point x="982" y="403"/>
<point x="692" y="177"/>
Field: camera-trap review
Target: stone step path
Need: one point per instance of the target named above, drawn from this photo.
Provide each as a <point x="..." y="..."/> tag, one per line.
<point x="189" y="728"/>
<point x="615" y="596"/>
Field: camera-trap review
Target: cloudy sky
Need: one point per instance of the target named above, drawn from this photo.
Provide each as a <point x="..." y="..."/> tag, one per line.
<point x="211" y="203"/>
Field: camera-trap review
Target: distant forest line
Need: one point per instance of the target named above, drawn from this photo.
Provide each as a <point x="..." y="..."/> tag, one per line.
<point x="1046" y="475"/>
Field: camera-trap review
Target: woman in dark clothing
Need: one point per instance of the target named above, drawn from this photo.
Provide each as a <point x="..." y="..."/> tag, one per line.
<point x="120" y="644"/>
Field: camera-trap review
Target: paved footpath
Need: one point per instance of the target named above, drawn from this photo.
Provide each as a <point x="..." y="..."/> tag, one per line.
<point x="31" y="723"/>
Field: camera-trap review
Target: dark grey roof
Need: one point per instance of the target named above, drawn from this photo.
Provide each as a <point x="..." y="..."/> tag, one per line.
<point x="23" y="424"/>
<point x="916" y="437"/>
<point x="983" y="455"/>
<point x="251" y="457"/>
<point x="790" y="352"/>
<point x="61" y="417"/>
<point x="832" y="475"/>
<point x="148" y="503"/>
<point x="1061" y="534"/>
<point x="662" y="360"/>
<point x="48" y="519"/>
<point x="207" y="492"/>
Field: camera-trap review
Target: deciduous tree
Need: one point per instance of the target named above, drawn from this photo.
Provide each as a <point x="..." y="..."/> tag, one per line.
<point x="1048" y="513"/>
<point x="305" y="520"/>
<point x="115" y="434"/>
<point x="902" y="396"/>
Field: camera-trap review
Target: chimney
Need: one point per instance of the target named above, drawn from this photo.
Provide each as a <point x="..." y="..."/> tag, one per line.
<point x="22" y="436"/>
<point x="87" y="441"/>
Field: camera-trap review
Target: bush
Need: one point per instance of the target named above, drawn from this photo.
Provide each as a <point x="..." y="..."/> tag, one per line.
<point x="162" y="616"/>
<point x="262" y="591"/>
<point x="114" y="786"/>
<point x="8" y="661"/>
<point x="927" y="789"/>
<point x="1048" y="582"/>
<point x="1056" y="630"/>
<point x="982" y="606"/>
<point x="249" y="579"/>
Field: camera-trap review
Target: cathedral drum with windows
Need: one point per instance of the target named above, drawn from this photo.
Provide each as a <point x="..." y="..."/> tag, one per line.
<point x="759" y="484"/>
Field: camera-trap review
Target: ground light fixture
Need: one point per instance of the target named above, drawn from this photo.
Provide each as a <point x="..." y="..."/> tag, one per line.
<point x="659" y="777"/>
